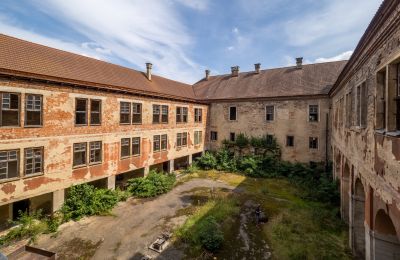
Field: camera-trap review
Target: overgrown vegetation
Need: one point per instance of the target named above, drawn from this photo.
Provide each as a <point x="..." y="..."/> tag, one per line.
<point x="152" y="185"/>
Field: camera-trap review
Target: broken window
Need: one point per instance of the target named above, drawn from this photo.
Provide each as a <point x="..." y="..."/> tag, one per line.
<point x="156" y="114"/>
<point x="33" y="107"/>
<point x="136" y="113"/>
<point x="269" y="110"/>
<point x="125" y="147"/>
<point x="81" y="111"/>
<point x="232" y="113"/>
<point x="9" y="109"/>
<point x="232" y="137"/>
<point x="79" y="154"/>
<point x="198" y="137"/>
<point x="156" y="143"/>
<point x="198" y="115"/>
<point x="95" y="152"/>
<point x="9" y="164"/>
<point x="33" y="160"/>
<point x="164" y="114"/>
<point x="214" y="136"/>
<point x="135" y="146"/>
<point x="125" y="113"/>
<point x="164" y="142"/>
<point x="313" y="113"/>
<point x="290" y="141"/>
<point x="313" y="143"/>
<point x="95" y="112"/>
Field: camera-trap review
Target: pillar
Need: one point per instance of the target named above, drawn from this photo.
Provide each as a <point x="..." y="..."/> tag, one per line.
<point x="171" y="166"/>
<point x="368" y="243"/>
<point x="146" y="170"/>
<point x="111" y="182"/>
<point x="58" y="199"/>
<point x="190" y="160"/>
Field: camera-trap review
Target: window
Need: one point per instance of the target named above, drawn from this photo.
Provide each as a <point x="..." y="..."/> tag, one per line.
<point x="181" y="114"/>
<point x="232" y="137"/>
<point x="164" y="142"/>
<point x="156" y="114"/>
<point x="81" y="111"/>
<point x="198" y="137"/>
<point x="313" y="113"/>
<point x="9" y="109"/>
<point x="362" y="105"/>
<point x="136" y="113"/>
<point x="95" y="152"/>
<point x="381" y="100"/>
<point x="214" y="136"/>
<point x="164" y="114"/>
<point x="125" y="147"/>
<point x="33" y="160"/>
<point x="269" y="110"/>
<point x="349" y="109"/>
<point x="181" y="139"/>
<point x="95" y="112"/>
<point x="313" y="143"/>
<point x="9" y="164"/>
<point x="135" y="146"/>
<point x="33" y="107"/>
<point x="79" y="154"/>
<point x="398" y="98"/>
<point x="290" y="141"/>
<point x="156" y="143"/>
<point x="270" y="139"/>
<point x="178" y="114"/>
<point x="125" y="113"/>
<point x="232" y="114"/>
<point x="198" y="115"/>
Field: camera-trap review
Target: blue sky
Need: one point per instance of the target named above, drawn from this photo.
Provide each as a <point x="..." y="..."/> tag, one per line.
<point x="182" y="38"/>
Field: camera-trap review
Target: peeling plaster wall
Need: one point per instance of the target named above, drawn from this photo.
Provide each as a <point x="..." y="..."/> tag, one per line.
<point x="59" y="133"/>
<point x="290" y="119"/>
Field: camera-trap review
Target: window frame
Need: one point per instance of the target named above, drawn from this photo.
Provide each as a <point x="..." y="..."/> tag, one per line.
<point x="311" y="139"/>
<point x="213" y="134"/>
<point x="236" y="113"/>
<point x="73" y="156"/>
<point x="10" y="109"/>
<point x="129" y="121"/>
<point x="163" y="138"/>
<point x="96" y="149"/>
<point x="156" y="144"/>
<point x="198" y="115"/>
<point x="162" y="114"/>
<point x="86" y="111"/>
<point x="129" y="148"/>
<point x="140" y="113"/>
<point x="291" y="139"/>
<point x="40" y="111"/>
<point x="267" y="113"/>
<point x="198" y="137"/>
<point x="99" y="112"/>
<point x="139" y="146"/>
<point x="41" y="172"/>
<point x="18" y="160"/>
<point x="232" y="134"/>
<point x="316" y="113"/>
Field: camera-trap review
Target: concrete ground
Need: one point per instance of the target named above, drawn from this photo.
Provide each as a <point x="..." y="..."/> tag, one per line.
<point x="127" y="233"/>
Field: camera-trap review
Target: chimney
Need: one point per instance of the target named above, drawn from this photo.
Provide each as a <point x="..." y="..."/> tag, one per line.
<point x="257" y="67"/>
<point x="149" y="66"/>
<point x="207" y="74"/>
<point x="299" y="62"/>
<point x="235" y="71"/>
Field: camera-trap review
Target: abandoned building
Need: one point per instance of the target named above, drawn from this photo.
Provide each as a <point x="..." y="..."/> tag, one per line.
<point x="67" y="119"/>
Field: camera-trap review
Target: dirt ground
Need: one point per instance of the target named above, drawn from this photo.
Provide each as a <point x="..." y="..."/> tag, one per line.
<point x="129" y="230"/>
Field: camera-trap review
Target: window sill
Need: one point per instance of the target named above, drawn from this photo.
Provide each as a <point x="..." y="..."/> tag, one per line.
<point x="136" y="155"/>
<point x="95" y="124"/>
<point x="9" y="180"/>
<point x="124" y="123"/>
<point x="32" y="175"/>
<point x="125" y="157"/>
<point x="10" y="126"/>
<point x="79" y="166"/>
<point x="232" y="120"/>
<point x="380" y="131"/>
<point x="393" y="133"/>
<point x="95" y="163"/>
<point x="33" y="126"/>
<point x="76" y="125"/>
<point x="137" y="123"/>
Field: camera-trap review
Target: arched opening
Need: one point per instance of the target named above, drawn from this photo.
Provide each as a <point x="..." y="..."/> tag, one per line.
<point x="345" y="197"/>
<point x="358" y="220"/>
<point x="386" y="243"/>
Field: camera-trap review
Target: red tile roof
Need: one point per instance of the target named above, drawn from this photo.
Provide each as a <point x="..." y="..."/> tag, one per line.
<point x="23" y="58"/>
<point x="313" y="79"/>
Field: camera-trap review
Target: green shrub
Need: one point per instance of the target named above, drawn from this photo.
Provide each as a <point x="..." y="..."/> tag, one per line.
<point x="192" y="168"/>
<point x="210" y="234"/>
<point x="86" y="200"/>
<point x="242" y="141"/>
<point x="207" y="161"/>
<point x="225" y="161"/>
<point x="154" y="184"/>
<point x="249" y="165"/>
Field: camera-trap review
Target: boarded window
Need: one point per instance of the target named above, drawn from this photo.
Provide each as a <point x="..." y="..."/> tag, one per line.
<point x="232" y="137"/>
<point x="125" y="147"/>
<point x="164" y="114"/>
<point x="198" y="115"/>
<point x="313" y="143"/>
<point x="164" y="142"/>
<point x="33" y="160"/>
<point x="33" y="107"/>
<point x="313" y="113"/>
<point x="95" y="152"/>
<point x="232" y="113"/>
<point x="125" y="113"/>
<point x="9" y="109"/>
<point x="290" y="141"/>
<point x="95" y="112"/>
<point x="81" y="111"/>
<point x="156" y="143"/>
<point x="79" y="154"/>
<point x="214" y="136"/>
<point x="270" y="113"/>
<point x="198" y="137"/>
<point x="9" y="164"/>
<point x="156" y="114"/>
<point x="136" y="113"/>
<point x="135" y="146"/>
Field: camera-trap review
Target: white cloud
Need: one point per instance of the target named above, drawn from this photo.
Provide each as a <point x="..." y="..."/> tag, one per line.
<point x="230" y="48"/>
<point x="235" y="30"/>
<point x="342" y="56"/>
<point x="199" y="5"/>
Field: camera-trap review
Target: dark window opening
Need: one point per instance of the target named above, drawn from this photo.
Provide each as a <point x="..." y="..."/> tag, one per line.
<point x="178" y="114"/>
<point x="135" y="146"/>
<point x="290" y="141"/>
<point x="156" y="143"/>
<point x="33" y="113"/>
<point x="95" y="152"/>
<point x="270" y="113"/>
<point x="79" y="154"/>
<point x="81" y="111"/>
<point x="270" y="139"/>
<point x="9" y="109"/>
<point x="398" y="99"/>
<point x="156" y="114"/>
<point x="164" y="114"/>
<point x="232" y="113"/>
<point x="136" y="113"/>
<point x="9" y="164"/>
<point x="313" y="113"/>
<point x="198" y="115"/>
<point x="95" y="112"/>
<point x="33" y="160"/>
<point x="214" y="136"/>
<point x="125" y="147"/>
<point x="232" y="137"/>
<point x="313" y="143"/>
<point x="164" y="142"/>
<point x="125" y="113"/>
<point x="181" y="114"/>
<point x="181" y="139"/>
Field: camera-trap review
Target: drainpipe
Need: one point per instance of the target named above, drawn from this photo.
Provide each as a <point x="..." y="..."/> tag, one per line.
<point x="326" y="142"/>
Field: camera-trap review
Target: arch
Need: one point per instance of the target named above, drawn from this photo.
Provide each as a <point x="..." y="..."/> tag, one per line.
<point x="386" y="243"/>
<point x="345" y="197"/>
<point x="358" y="218"/>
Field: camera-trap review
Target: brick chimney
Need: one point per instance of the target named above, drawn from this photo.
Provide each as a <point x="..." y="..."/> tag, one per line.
<point x="257" y="68"/>
<point x="207" y="75"/>
<point x="299" y="62"/>
<point x="149" y="66"/>
<point x="235" y="71"/>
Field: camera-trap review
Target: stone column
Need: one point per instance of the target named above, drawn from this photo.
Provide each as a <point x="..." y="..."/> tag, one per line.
<point x="111" y="182"/>
<point x="190" y="159"/>
<point x="171" y="166"/>
<point x="58" y="199"/>
<point x="146" y="170"/>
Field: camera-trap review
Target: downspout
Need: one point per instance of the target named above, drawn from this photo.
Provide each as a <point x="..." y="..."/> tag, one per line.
<point x="326" y="141"/>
